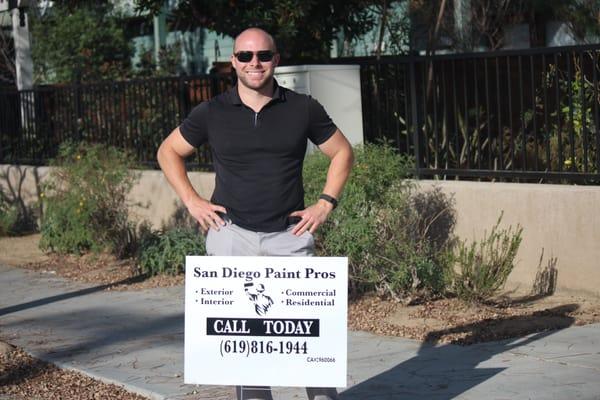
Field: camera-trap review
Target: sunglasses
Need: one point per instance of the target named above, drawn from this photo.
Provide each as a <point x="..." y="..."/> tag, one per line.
<point x="262" y="55"/>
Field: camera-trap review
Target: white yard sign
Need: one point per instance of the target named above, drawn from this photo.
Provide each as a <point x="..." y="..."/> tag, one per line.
<point x="273" y="321"/>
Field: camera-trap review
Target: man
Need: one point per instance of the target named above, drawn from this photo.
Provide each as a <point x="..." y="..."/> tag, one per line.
<point x="258" y="133"/>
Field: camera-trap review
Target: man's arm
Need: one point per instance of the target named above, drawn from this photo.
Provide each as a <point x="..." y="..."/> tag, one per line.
<point x="339" y="151"/>
<point x="171" y="158"/>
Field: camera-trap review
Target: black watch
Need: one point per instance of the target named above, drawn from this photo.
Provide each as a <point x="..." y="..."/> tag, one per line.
<point x="330" y="199"/>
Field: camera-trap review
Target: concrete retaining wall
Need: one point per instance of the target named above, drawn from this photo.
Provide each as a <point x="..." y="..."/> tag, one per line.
<point x="561" y="220"/>
<point x="154" y="200"/>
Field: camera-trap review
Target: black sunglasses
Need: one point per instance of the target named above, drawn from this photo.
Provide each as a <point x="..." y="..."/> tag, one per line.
<point x="262" y="55"/>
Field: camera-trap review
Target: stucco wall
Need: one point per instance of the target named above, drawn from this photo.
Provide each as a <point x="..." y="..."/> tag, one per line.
<point x="151" y="198"/>
<point x="561" y="220"/>
<point x="22" y="182"/>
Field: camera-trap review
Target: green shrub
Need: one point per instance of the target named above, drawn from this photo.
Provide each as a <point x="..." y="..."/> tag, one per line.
<point x="414" y="243"/>
<point x="85" y="201"/>
<point x="483" y="267"/>
<point x="164" y="253"/>
<point x="351" y="229"/>
<point x="391" y="236"/>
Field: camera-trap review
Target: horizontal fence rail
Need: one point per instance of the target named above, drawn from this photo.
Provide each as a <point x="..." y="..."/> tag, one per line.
<point x="134" y="115"/>
<point x="527" y="115"/>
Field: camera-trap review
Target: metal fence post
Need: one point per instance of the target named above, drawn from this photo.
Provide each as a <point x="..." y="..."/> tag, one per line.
<point x="183" y="109"/>
<point x="414" y="115"/>
<point x="78" y="112"/>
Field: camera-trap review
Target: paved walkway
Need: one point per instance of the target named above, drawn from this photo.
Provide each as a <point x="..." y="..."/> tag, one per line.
<point x="135" y="339"/>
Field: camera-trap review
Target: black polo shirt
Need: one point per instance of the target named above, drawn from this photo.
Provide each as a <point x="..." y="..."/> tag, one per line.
<point x="258" y="156"/>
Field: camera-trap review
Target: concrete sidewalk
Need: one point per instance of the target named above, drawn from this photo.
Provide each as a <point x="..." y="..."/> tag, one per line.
<point x="135" y="339"/>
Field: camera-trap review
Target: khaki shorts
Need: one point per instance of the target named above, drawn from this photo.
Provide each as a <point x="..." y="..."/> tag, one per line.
<point x="232" y="240"/>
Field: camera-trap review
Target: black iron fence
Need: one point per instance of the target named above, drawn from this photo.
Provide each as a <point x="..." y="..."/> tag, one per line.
<point x="523" y="115"/>
<point x="526" y="115"/>
<point x="134" y="115"/>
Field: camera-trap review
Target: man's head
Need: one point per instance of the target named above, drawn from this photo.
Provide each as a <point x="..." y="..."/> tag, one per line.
<point x="254" y="58"/>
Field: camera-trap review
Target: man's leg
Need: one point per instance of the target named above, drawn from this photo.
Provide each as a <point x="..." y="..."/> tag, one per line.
<point x="231" y="240"/>
<point x="288" y="244"/>
<point x="321" y="393"/>
<point x="253" y="393"/>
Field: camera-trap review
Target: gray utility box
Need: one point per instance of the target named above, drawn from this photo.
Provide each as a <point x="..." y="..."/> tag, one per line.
<point x="336" y="87"/>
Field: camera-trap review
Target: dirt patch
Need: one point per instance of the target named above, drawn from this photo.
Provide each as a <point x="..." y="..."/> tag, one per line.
<point x="20" y="250"/>
<point x="103" y="269"/>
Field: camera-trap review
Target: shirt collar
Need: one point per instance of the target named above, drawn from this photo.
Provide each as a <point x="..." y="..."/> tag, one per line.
<point x="278" y="94"/>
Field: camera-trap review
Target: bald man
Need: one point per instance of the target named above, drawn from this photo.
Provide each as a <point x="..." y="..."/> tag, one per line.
<point x="258" y="133"/>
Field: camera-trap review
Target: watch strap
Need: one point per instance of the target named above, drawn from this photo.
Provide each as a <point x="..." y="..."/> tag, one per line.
<point x="330" y="199"/>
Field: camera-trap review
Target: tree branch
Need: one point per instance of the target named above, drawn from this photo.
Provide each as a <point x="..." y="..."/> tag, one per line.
<point x="6" y="55"/>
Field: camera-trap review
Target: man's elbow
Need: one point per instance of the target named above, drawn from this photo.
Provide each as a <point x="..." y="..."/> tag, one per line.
<point x="160" y="153"/>
<point x="164" y="151"/>
<point x="350" y="155"/>
<point x="344" y="156"/>
<point x="347" y="154"/>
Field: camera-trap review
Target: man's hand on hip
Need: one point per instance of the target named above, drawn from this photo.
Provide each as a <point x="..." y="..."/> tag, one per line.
<point x="311" y="217"/>
<point x="205" y="213"/>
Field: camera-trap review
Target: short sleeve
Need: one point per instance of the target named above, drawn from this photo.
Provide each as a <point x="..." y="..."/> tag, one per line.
<point x="320" y="125"/>
<point x="194" y="128"/>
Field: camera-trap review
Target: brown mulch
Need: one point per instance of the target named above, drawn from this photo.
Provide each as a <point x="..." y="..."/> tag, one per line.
<point x="24" y="377"/>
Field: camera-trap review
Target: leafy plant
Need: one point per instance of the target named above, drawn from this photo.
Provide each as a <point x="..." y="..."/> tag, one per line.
<point x="351" y="229"/>
<point x="414" y="243"/>
<point x="568" y="142"/>
<point x="85" y="201"/>
<point x="483" y="267"/>
<point x="577" y="152"/>
<point x="396" y="239"/>
<point x="164" y="252"/>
